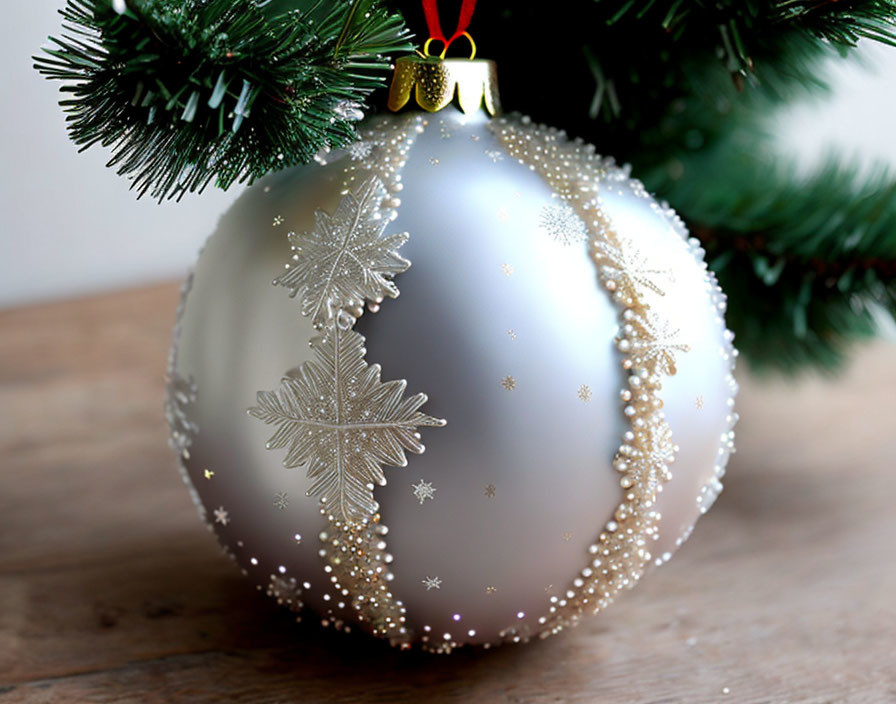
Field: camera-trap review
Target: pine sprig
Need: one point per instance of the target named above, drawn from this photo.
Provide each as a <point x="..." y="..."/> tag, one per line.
<point x="804" y="262"/>
<point x="187" y="92"/>
<point x="734" y="26"/>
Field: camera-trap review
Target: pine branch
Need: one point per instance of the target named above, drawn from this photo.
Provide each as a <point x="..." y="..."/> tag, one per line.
<point x="803" y="260"/>
<point x="736" y="27"/>
<point x="187" y="92"/>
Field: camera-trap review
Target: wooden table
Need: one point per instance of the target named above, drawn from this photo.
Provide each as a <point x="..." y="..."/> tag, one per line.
<point x="111" y="590"/>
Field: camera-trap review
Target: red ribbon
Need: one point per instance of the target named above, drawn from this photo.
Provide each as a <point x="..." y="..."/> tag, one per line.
<point x="431" y="11"/>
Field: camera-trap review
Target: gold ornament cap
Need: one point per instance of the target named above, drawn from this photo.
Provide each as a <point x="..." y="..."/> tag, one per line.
<point x="435" y="81"/>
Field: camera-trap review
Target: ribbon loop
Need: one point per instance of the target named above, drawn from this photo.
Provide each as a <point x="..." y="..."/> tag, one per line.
<point x="431" y="12"/>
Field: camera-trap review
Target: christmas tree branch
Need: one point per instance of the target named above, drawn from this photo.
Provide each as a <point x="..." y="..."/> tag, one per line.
<point x="804" y="261"/>
<point x="193" y="91"/>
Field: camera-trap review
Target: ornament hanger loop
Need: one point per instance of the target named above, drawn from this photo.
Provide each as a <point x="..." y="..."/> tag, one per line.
<point x="431" y="12"/>
<point x="448" y="43"/>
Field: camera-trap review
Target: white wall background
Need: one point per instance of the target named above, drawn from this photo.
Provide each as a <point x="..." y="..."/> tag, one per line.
<point x="69" y="226"/>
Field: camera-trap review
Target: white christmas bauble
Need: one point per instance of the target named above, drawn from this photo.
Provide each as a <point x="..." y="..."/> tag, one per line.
<point x="566" y="332"/>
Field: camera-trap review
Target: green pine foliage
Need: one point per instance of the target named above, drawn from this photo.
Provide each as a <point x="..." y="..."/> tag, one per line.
<point x="187" y="92"/>
<point x="192" y="91"/>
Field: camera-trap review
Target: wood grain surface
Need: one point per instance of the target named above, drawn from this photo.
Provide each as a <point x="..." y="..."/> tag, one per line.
<point x="111" y="590"/>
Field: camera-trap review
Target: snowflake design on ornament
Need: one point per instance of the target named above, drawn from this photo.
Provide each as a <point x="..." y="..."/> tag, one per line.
<point x="281" y="500"/>
<point x="335" y="416"/>
<point x="490" y="490"/>
<point x="431" y="583"/>
<point x="508" y="383"/>
<point x="359" y="150"/>
<point x="584" y="394"/>
<point x="346" y="258"/>
<point x="657" y="341"/>
<point x="562" y="224"/>
<point x="423" y="491"/>
<point x="221" y="516"/>
<point x="627" y="267"/>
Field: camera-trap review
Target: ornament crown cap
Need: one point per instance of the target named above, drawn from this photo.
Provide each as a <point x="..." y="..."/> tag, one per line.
<point x="435" y="81"/>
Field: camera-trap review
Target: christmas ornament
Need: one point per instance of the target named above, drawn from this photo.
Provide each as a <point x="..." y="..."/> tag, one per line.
<point x="558" y="345"/>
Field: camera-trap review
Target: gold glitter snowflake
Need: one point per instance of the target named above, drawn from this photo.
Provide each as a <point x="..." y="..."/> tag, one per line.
<point x="490" y="490"/>
<point x="562" y="224"/>
<point x="281" y="500"/>
<point x="346" y="258"/>
<point x="334" y="415"/>
<point x="655" y="340"/>
<point x="507" y="269"/>
<point x="584" y="393"/>
<point x="508" y="382"/>
<point x="628" y="268"/>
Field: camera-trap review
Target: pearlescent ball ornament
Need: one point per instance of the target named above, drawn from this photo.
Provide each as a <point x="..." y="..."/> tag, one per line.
<point x="558" y="345"/>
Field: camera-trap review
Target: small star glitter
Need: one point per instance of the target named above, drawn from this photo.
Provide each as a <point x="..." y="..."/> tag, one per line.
<point x="584" y="393"/>
<point x="491" y="590"/>
<point x="699" y="402"/>
<point x="221" y="516"/>
<point x="431" y="583"/>
<point x="423" y="491"/>
<point x="433" y="160"/>
<point x="507" y="269"/>
<point x="567" y="536"/>
<point x="508" y="382"/>
<point x="548" y="588"/>
<point x="281" y="500"/>
<point x="490" y="491"/>
<point x="208" y="473"/>
<point x="511" y="334"/>
<point x="297" y="538"/>
<point x="278" y="220"/>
